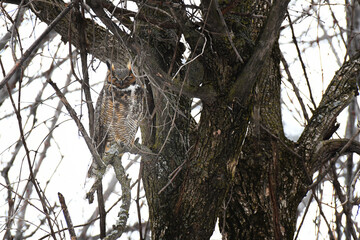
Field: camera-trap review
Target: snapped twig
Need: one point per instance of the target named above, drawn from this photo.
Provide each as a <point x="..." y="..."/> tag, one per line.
<point x="67" y="216"/>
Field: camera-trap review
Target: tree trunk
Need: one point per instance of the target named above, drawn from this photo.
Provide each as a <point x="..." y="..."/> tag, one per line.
<point x="188" y="183"/>
<point x="269" y="181"/>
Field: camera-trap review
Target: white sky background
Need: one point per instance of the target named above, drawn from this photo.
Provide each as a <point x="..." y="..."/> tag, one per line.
<point x="68" y="158"/>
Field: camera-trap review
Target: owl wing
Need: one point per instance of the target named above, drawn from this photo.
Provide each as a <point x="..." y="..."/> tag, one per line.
<point x="99" y="136"/>
<point x="99" y="129"/>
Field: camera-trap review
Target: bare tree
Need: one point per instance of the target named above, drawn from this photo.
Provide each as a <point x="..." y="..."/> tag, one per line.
<point x="232" y="162"/>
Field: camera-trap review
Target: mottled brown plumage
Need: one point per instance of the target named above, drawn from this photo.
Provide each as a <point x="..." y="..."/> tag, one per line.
<point x="118" y="110"/>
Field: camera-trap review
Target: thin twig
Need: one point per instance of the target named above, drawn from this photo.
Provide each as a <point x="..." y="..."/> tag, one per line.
<point x="32" y="177"/>
<point x="346" y="205"/>
<point x="240" y="59"/>
<point x="301" y="60"/>
<point x="303" y="218"/>
<point x="80" y="126"/>
<point x="295" y="88"/>
<point x="28" y="52"/>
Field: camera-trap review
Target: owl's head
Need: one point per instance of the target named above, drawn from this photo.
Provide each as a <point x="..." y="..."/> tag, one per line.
<point x="120" y="78"/>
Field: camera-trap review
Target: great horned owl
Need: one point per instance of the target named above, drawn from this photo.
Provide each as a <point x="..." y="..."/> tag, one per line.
<point x="118" y="109"/>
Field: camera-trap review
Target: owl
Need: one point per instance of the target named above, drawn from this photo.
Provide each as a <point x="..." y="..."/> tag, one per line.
<point x="118" y="110"/>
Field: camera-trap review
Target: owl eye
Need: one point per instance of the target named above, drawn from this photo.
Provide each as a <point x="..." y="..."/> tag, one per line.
<point x="112" y="79"/>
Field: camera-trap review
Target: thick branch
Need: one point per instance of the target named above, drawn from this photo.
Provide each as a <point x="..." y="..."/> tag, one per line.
<point x="247" y="78"/>
<point x="100" y="43"/>
<point x="338" y="95"/>
<point x="329" y="148"/>
<point x="16" y="2"/>
<point x="123" y="15"/>
<point x="104" y="45"/>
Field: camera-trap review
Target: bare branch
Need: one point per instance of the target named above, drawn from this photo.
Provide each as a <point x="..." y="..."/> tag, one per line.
<point x="295" y="88"/>
<point x="301" y="60"/>
<point x="80" y="126"/>
<point x="137" y="200"/>
<point x="330" y="148"/>
<point x="80" y="25"/>
<point x="35" y="45"/>
<point x="19" y="18"/>
<point x="32" y="177"/>
<point x="345" y="144"/>
<point x="346" y="207"/>
<point x="124" y="181"/>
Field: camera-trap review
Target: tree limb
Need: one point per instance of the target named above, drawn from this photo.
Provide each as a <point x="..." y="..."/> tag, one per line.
<point x="100" y="42"/>
<point x="337" y="96"/>
<point x="246" y="80"/>
<point x="342" y="146"/>
<point x="327" y="149"/>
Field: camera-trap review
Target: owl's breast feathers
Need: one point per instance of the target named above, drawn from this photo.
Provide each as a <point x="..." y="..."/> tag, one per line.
<point x="117" y="115"/>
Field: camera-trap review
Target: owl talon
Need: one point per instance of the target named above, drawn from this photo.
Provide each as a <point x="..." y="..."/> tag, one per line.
<point x="114" y="150"/>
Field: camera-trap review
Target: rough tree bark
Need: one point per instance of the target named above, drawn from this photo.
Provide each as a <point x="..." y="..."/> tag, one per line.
<point x="235" y="164"/>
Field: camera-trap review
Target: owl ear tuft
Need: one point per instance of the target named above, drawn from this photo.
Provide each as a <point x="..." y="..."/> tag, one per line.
<point x="129" y="65"/>
<point x="110" y="66"/>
